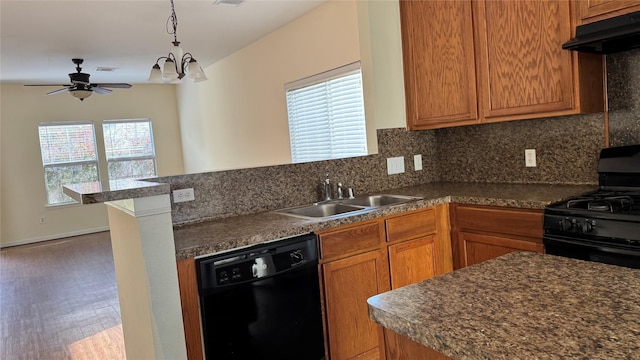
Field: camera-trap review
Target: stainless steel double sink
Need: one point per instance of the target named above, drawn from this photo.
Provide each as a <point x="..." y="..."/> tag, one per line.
<point x="333" y="209"/>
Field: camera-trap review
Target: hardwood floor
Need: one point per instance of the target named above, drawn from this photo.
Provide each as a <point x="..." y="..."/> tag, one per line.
<point x="58" y="300"/>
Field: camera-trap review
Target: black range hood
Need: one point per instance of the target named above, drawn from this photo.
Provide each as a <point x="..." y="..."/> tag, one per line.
<point x="608" y="36"/>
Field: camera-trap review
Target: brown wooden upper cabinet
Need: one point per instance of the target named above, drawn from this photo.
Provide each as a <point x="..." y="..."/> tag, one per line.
<point x="595" y="10"/>
<point x="476" y="61"/>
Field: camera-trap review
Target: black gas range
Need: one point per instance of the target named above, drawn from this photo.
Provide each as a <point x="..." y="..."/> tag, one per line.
<point x="603" y="225"/>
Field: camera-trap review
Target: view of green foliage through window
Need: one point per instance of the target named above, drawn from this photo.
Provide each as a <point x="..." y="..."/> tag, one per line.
<point x="69" y="153"/>
<point x="129" y="148"/>
<point x="69" y="156"/>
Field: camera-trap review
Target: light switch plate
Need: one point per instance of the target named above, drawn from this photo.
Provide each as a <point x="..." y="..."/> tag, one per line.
<point x="530" y="157"/>
<point x="417" y="162"/>
<point x="395" y="165"/>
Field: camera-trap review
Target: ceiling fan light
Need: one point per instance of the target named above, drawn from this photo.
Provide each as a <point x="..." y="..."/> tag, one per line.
<point x="80" y="93"/>
<point x="156" y="74"/>
<point x="169" y="70"/>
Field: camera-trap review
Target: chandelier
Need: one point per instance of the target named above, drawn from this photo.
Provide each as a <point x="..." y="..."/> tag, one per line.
<point x="177" y="64"/>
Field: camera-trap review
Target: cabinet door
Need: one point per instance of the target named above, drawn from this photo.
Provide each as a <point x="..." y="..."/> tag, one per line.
<point x="439" y="63"/>
<point x="476" y="248"/>
<point x="523" y="69"/>
<point x="594" y="10"/>
<point x="412" y="261"/>
<point x="189" y="298"/>
<point x="348" y="283"/>
<point x="400" y="347"/>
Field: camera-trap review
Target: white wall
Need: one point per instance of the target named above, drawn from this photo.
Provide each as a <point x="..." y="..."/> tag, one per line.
<point x="238" y="118"/>
<point x="22" y="187"/>
<point x="386" y="55"/>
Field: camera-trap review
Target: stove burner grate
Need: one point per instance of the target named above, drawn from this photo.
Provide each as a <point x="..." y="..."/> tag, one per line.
<point x="607" y="203"/>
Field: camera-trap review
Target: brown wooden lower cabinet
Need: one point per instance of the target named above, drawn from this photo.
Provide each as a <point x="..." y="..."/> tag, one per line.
<point x="404" y="257"/>
<point x="190" y="309"/>
<point x="480" y="233"/>
<point x="356" y="265"/>
<point x="401" y="347"/>
<point x="477" y="248"/>
<point x="348" y="283"/>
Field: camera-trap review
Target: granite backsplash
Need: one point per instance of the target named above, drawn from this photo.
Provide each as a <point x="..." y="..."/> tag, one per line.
<point x="567" y="152"/>
<point x="236" y="192"/>
<point x="566" y="149"/>
<point x="623" y="81"/>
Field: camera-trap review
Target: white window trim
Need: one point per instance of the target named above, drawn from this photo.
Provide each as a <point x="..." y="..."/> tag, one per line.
<point x="323" y="76"/>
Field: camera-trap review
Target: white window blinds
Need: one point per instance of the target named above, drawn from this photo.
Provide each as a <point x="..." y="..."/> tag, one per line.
<point x="69" y="156"/>
<point x="326" y="115"/>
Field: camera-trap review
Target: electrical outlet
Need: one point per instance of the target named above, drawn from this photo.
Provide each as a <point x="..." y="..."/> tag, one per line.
<point x="395" y="165"/>
<point x="183" y="195"/>
<point x="417" y="162"/>
<point x="43" y="220"/>
<point x="530" y="157"/>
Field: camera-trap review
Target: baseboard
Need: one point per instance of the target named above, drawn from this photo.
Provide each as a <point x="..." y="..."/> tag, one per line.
<point x="53" y="237"/>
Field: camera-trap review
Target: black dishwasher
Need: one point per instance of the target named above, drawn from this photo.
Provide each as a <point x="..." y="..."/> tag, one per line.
<point x="262" y="302"/>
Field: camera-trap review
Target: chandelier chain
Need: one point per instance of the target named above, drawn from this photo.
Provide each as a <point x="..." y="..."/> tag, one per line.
<point x="173" y="19"/>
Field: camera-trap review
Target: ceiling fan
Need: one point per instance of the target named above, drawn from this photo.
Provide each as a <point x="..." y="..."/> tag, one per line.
<point x="80" y="86"/>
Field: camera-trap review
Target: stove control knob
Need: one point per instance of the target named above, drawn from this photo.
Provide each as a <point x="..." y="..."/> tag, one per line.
<point x="587" y="226"/>
<point x="565" y="224"/>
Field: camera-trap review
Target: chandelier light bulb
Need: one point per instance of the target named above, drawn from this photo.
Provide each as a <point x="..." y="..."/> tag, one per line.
<point x="169" y="69"/>
<point x="156" y="74"/>
<point x="195" y="71"/>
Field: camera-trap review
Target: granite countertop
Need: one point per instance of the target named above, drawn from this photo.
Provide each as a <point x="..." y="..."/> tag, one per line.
<point x="94" y="192"/>
<point x="207" y="237"/>
<point x="521" y="306"/>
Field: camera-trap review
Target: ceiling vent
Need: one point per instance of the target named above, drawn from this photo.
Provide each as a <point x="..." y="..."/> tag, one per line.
<point x="228" y="2"/>
<point x="107" y="68"/>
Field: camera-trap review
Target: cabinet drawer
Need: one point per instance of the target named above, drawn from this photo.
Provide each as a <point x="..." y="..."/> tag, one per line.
<point x="351" y="239"/>
<point x="505" y="221"/>
<point x="411" y="226"/>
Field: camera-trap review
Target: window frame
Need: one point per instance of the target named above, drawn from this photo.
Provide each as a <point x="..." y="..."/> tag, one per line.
<point x="130" y="158"/>
<point x="325" y="77"/>
<point x="95" y="162"/>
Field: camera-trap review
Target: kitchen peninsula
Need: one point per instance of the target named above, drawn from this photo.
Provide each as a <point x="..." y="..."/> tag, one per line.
<point x="520" y="306"/>
<point x="144" y="246"/>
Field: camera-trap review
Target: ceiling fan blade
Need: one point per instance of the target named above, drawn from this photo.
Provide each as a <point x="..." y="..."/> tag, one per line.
<point x="100" y="90"/>
<point x="48" y="85"/>
<point x="60" y="91"/>
<point x="113" y="85"/>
